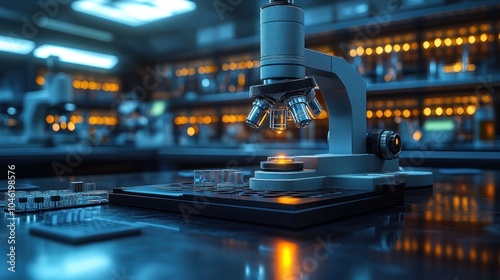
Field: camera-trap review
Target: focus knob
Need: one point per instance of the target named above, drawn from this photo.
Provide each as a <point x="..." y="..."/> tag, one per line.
<point x="385" y="144"/>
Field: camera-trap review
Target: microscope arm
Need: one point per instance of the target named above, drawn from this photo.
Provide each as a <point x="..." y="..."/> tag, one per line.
<point x="344" y="91"/>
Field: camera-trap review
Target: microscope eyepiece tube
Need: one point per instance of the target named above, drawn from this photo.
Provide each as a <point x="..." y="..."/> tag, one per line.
<point x="282" y="42"/>
<point x="297" y="106"/>
<point x="258" y="113"/>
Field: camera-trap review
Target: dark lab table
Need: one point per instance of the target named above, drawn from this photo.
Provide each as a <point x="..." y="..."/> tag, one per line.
<point x="450" y="232"/>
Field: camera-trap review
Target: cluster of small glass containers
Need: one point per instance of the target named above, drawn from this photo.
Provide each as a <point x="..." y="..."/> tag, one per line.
<point x="52" y="199"/>
<point x="218" y="178"/>
<point x="69" y="216"/>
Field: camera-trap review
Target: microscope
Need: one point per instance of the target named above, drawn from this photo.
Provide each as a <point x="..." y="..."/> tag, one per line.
<point x="360" y="173"/>
<point x="292" y="76"/>
<point x="57" y="91"/>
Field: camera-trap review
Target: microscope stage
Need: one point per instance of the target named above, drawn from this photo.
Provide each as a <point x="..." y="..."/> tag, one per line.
<point x="287" y="209"/>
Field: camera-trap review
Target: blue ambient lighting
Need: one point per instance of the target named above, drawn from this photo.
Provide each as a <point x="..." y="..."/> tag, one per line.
<point x="76" y="56"/>
<point x="133" y="12"/>
<point x="11" y="111"/>
<point x="14" y="45"/>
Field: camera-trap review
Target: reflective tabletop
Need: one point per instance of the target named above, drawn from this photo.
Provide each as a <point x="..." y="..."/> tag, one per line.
<point x="449" y="232"/>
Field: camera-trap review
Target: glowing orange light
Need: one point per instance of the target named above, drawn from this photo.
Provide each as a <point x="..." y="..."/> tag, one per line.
<point x="406" y="47"/>
<point x="417" y="135"/>
<point x="439" y="111"/>
<point x="49" y="119"/>
<point x="85" y="84"/>
<point x="288" y="200"/>
<point x="40" y="81"/>
<point x="55" y="127"/>
<point x="286" y="259"/>
<point x="190" y="131"/>
<point x="369" y="51"/>
<point x="427" y="111"/>
<point x="369" y="114"/>
<point x="71" y="126"/>
<point x="426" y="44"/>
<point x="437" y="42"/>
<point x="471" y="109"/>
<point x="77" y="84"/>
<point x="472" y="39"/>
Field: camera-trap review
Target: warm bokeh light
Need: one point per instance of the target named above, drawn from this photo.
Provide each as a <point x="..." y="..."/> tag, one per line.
<point x="77" y="84"/>
<point x="426" y="44"/>
<point x="190" y="131"/>
<point x="352" y="52"/>
<point x="387" y="113"/>
<point x="483" y="37"/>
<point x="427" y="111"/>
<point x="406" y="47"/>
<point x="232" y="66"/>
<point x="448" y="42"/>
<point x="360" y="51"/>
<point x="417" y="135"/>
<point x="439" y="111"/>
<point x="369" y="114"/>
<point x="449" y="111"/>
<point x="437" y="42"/>
<point x="459" y="41"/>
<point x="71" y="126"/>
<point x="406" y="113"/>
<point x="49" y="119"/>
<point x="55" y="127"/>
<point x="40" y="81"/>
<point x="471" y="109"/>
<point x="388" y="48"/>
<point x="397" y="48"/>
<point x="472" y="39"/>
<point x="379" y="50"/>
<point x="369" y="51"/>
<point x="379" y="113"/>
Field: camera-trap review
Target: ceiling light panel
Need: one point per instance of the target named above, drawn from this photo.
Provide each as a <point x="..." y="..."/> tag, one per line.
<point x="77" y="56"/>
<point x="133" y="12"/>
<point x="14" y="45"/>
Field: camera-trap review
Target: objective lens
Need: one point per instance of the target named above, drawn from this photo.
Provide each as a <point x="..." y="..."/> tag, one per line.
<point x="297" y="105"/>
<point x="277" y="119"/>
<point x="258" y="113"/>
<point x="314" y="108"/>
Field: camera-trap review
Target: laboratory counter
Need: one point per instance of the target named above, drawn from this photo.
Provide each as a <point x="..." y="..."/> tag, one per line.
<point x="449" y="232"/>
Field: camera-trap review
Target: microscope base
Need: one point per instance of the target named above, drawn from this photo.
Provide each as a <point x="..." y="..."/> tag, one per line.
<point x="362" y="172"/>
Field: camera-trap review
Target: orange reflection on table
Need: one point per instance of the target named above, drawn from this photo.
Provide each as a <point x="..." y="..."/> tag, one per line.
<point x="286" y="259"/>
